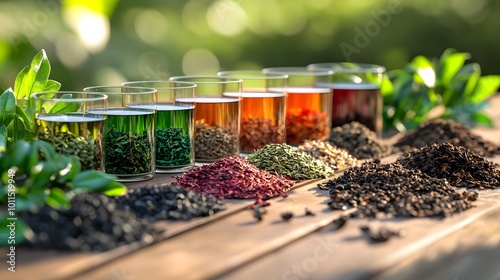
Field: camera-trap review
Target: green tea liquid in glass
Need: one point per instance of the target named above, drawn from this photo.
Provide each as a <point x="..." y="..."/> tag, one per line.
<point x="74" y="134"/>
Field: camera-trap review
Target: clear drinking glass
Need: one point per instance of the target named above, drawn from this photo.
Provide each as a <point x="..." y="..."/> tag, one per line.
<point x="63" y="120"/>
<point x="217" y="116"/>
<point x="308" y="109"/>
<point x="356" y="93"/>
<point x="174" y="125"/>
<point x="262" y="111"/>
<point x="128" y="138"/>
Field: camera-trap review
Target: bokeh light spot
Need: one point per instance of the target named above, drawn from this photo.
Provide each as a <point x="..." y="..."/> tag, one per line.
<point x="227" y="17"/>
<point x="200" y="62"/>
<point x="92" y="28"/>
<point x="69" y="51"/>
<point x="151" y="26"/>
<point x="109" y="76"/>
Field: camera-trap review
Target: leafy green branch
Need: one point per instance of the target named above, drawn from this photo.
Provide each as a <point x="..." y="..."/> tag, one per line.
<point x="31" y="171"/>
<point x="17" y="111"/>
<point x="448" y="83"/>
<point x="43" y="176"/>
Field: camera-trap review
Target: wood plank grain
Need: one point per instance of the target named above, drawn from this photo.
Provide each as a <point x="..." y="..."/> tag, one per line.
<point x="237" y="240"/>
<point x="63" y="265"/>
<point x="347" y="255"/>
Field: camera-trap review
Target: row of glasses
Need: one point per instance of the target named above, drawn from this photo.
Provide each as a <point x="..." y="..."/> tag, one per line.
<point x="139" y="128"/>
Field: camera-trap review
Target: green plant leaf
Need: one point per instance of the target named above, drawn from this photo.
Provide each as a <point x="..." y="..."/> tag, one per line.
<point x="57" y="199"/>
<point x="3" y="140"/>
<point x="62" y="107"/>
<point x="52" y="86"/>
<point x="41" y="175"/>
<point x="47" y="150"/>
<point x="17" y="130"/>
<point x="19" y="230"/>
<point x="449" y="64"/>
<point x="32" y="200"/>
<point x="386" y="88"/>
<point x="19" y="81"/>
<point x="7" y="107"/>
<point x="486" y="87"/>
<point x="27" y="119"/>
<point x="482" y="119"/>
<point x="35" y="79"/>
<point x="92" y="180"/>
<point x="464" y="113"/>
<point x="72" y="168"/>
<point x="424" y="69"/>
<point x="114" y="189"/>
<point x="402" y="87"/>
<point x="467" y="78"/>
<point x="16" y="155"/>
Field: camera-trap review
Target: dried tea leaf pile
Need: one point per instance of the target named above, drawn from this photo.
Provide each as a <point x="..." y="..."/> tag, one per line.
<point x="391" y="189"/>
<point x="334" y="157"/>
<point x="447" y="131"/>
<point x="359" y="140"/>
<point x="459" y="165"/>
<point x="168" y="202"/>
<point x="289" y="162"/>
<point x="234" y="177"/>
<point x="93" y="223"/>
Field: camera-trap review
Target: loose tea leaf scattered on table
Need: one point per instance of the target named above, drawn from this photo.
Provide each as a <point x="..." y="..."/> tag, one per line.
<point x="286" y="216"/>
<point x="173" y="147"/>
<point x="214" y="142"/>
<point x="289" y="162"/>
<point x="93" y="223"/>
<point x="359" y="140"/>
<point x="381" y="235"/>
<point x="127" y="153"/>
<point x="68" y="144"/>
<point x="459" y="165"/>
<point x="256" y="133"/>
<point x="309" y="212"/>
<point x="234" y="177"/>
<point x="336" y="158"/>
<point x="305" y="124"/>
<point x="447" y="131"/>
<point x="169" y="202"/>
<point x="391" y="189"/>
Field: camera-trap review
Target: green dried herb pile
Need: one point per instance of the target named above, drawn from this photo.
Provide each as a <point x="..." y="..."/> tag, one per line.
<point x="289" y="162"/>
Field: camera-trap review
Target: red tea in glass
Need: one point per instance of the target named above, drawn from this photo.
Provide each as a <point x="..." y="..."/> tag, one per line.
<point x="357" y="102"/>
<point x="307" y="114"/>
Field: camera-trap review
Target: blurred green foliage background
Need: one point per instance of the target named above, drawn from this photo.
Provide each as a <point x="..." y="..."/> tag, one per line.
<point x="92" y="42"/>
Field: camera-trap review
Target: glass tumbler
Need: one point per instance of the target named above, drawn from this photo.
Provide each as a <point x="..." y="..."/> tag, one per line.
<point x="62" y="119"/>
<point x="308" y="109"/>
<point x="262" y="110"/>
<point x="174" y="124"/>
<point x="217" y="116"/>
<point x="356" y="93"/>
<point x="128" y="138"/>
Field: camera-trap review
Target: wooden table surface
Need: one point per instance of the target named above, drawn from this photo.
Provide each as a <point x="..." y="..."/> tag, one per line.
<point x="232" y="245"/>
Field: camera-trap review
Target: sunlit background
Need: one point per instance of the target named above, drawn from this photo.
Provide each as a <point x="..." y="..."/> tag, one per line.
<point x="94" y="42"/>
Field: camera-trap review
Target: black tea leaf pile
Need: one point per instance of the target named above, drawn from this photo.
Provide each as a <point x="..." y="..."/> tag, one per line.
<point x="446" y="131"/>
<point x="93" y="223"/>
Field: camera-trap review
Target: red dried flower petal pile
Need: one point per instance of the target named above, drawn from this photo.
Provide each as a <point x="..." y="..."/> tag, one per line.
<point x="234" y="177"/>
